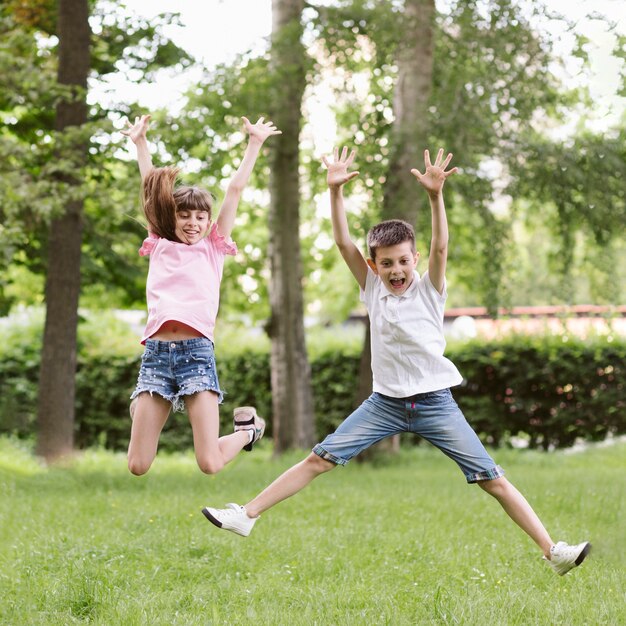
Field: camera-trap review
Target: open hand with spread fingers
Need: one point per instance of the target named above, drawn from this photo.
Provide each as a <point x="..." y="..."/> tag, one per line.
<point x="137" y="130"/>
<point x="435" y="175"/>
<point x="338" y="174"/>
<point x="261" y="130"/>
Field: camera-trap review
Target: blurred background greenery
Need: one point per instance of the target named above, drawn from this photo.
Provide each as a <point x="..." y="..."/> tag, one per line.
<point x="536" y="212"/>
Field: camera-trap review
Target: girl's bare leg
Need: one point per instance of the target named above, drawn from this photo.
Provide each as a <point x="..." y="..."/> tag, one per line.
<point x="518" y="509"/>
<point x="289" y="483"/>
<point x="150" y="413"/>
<point x="212" y="451"/>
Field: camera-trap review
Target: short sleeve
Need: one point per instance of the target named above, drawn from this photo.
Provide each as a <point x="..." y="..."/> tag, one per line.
<point x="432" y="291"/>
<point x="366" y="295"/>
<point x="148" y="245"/>
<point x="223" y="245"/>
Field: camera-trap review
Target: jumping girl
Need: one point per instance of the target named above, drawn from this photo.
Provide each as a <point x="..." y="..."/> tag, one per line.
<point x="187" y="252"/>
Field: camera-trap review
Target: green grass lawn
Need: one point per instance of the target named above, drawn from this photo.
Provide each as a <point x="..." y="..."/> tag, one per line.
<point x="402" y="542"/>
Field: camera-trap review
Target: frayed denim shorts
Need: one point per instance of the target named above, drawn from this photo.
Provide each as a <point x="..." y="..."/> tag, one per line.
<point x="434" y="416"/>
<point x="174" y="369"/>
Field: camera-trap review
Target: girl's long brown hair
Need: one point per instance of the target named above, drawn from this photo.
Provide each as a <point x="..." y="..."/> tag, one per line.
<point x="161" y="199"/>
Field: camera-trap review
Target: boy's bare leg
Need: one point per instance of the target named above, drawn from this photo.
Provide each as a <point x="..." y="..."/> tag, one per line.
<point x="212" y="451"/>
<point x="288" y="484"/>
<point x="518" y="509"/>
<point x="241" y="519"/>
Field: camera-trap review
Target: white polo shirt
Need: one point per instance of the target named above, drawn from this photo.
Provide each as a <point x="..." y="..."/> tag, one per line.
<point x="407" y="338"/>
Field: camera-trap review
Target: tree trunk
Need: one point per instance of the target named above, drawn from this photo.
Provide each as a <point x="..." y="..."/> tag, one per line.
<point x="58" y="359"/>
<point x="292" y="401"/>
<point x="409" y="131"/>
<point x="409" y="136"/>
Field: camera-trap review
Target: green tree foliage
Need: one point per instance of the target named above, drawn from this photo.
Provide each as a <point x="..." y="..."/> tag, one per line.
<point x="575" y="190"/>
<point x="494" y="80"/>
<point x="492" y="74"/>
<point x="31" y="191"/>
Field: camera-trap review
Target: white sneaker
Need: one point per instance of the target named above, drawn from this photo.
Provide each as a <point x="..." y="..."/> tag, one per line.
<point x="233" y="518"/>
<point x="564" y="557"/>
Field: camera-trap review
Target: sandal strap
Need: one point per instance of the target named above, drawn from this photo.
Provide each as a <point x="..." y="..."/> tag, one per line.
<point x="249" y="422"/>
<point x="248" y="415"/>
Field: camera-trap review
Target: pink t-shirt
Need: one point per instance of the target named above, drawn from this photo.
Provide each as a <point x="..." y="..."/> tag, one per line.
<point x="184" y="281"/>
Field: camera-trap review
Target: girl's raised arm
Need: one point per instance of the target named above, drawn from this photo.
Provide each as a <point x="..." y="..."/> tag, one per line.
<point x="137" y="133"/>
<point x="258" y="133"/>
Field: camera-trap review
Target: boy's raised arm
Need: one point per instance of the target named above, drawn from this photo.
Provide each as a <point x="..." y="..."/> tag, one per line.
<point x="336" y="178"/>
<point x="432" y="180"/>
<point x="137" y="133"/>
<point x="257" y="133"/>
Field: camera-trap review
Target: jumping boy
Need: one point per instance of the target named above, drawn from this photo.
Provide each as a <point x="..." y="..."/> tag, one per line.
<point x="411" y="377"/>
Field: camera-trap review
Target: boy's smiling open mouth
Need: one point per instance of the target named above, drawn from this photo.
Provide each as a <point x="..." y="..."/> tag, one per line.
<point x="397" y="283"/>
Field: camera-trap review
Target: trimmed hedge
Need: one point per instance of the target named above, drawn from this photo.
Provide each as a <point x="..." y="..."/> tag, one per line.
<point x="552" y="390"/>
<point x="549" y="390"/>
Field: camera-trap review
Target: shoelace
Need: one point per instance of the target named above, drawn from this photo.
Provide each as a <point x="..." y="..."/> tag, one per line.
<point x="233" y="509"/>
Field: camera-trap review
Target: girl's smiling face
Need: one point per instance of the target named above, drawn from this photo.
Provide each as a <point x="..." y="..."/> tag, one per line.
<point x="395" y="265"/>
<point x="191" y="225"/>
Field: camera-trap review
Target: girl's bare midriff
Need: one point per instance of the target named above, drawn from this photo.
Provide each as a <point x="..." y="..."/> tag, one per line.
<point x="173" y="330"/>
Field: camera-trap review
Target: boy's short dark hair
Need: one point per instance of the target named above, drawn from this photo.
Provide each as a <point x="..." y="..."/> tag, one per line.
<point x="389" y="233"/>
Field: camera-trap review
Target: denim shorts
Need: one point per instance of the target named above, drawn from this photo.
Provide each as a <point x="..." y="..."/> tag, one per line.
<point x="174" y="369"/>
<point x="435" y="416"/>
